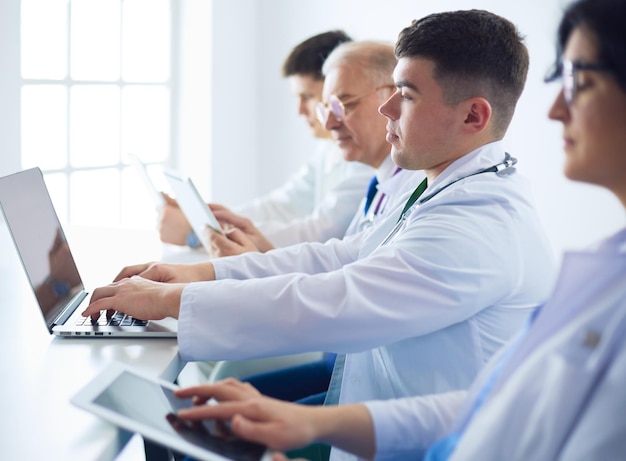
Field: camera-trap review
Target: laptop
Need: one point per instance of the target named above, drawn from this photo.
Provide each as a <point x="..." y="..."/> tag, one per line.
<point x="194" y="207"/>
<point x="141" y="404"/>
<point x="50" y="267"/>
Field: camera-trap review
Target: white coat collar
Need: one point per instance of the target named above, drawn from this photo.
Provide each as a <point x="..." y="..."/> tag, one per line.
<point x="585" y="285"/>
<point x="484" y="157"/>
<point x="614" y="244"/>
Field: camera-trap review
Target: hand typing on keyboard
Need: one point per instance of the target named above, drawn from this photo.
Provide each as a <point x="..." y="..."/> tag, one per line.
<point x="137" y="297"/>
<point x="118" y="319"/>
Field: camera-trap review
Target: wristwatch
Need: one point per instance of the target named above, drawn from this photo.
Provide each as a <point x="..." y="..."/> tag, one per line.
<point x="60" y="289"/>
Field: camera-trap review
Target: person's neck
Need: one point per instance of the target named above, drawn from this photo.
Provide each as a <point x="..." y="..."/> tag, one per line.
<point x="378" y="161"/>
<point x="466" y="148"/>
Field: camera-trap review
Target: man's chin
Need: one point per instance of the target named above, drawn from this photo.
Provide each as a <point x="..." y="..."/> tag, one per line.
<point x="350" y="155"/>
<point x="400" y="159"/>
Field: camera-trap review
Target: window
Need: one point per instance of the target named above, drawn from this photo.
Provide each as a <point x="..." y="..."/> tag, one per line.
<point x="96" y="84"/>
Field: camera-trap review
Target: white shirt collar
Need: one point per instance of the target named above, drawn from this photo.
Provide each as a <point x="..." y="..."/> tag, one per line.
<point x="386" y="169"/>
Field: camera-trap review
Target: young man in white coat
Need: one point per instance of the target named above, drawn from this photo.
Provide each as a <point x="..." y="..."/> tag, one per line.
<point x="354" y="117"/>
<point x="423" y="299"/>
<point x="557" y="391"/>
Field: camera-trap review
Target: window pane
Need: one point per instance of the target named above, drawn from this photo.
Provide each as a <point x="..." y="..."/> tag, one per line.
<point x="44" y="126"/>
<point x="145" y="122"/>
<point x="57" y="186"/>
<point x="44" y="39"/>
<point x="94" y="125"/>
<point x="78" y="124"/>
<point x="95" y="198"/>
<point x="146" y="40"/>
<point x="138" y="207"/>
<point x="95" y="40"/>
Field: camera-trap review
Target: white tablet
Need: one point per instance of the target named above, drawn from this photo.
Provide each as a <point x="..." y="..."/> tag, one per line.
<point x="196" y="210"/>
<point x="142" y="171"/>
<point x="140" y="404"/>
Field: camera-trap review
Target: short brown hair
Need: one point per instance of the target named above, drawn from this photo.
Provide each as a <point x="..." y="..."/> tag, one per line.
<point x="308" y="57"/>
<point x="476" y="54"/>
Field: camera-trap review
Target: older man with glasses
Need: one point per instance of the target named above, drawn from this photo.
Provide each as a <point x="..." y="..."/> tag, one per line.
<point x="357" y="79"/>
<point x="317" y="201"/>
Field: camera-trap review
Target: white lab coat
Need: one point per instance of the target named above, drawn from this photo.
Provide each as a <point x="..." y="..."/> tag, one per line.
<point x="561" y="394"/>
<point x="316" y="203"/>
<point x="419" y="315"/>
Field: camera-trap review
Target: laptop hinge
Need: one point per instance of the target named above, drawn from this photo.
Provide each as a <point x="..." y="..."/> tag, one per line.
<point x="69" y="310"/>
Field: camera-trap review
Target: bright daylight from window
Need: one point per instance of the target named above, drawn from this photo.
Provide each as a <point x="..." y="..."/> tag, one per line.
<point x="96" y="86"/>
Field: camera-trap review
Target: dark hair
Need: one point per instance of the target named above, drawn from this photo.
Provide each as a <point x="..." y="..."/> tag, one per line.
<point x="606" y="20"/>
<point x="308" y="57"/>
<point x="475" y="53"/>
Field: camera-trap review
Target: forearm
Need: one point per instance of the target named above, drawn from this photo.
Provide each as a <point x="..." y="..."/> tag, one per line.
<point x="308" y="258"/>
<point x="347" y="427"/>
<point x="206" y="271"/>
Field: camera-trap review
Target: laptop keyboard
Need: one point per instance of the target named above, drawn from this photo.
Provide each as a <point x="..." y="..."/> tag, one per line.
<point x="118" y="319"/>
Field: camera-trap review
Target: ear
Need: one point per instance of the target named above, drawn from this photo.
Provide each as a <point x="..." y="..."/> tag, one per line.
<point x="477" y="115"/>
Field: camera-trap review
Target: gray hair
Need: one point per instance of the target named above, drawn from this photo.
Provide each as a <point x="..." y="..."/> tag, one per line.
<point x="375" y="60"/>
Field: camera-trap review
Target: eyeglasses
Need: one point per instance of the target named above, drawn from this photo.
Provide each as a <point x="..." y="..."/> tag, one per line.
<point x="338" y="107"/>
<point x="571" y="81"/>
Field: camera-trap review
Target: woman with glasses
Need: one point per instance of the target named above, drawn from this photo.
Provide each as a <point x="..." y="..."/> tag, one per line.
<point x="557" y="391"/>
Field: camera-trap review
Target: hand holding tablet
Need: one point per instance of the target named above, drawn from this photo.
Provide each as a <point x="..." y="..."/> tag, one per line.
<point x="196" y="210"/>
<point x="147" y="406"/>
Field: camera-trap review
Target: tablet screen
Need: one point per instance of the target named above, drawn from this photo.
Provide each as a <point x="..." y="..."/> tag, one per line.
<point x="193" y="206"/>
<point x="148" y="402"/>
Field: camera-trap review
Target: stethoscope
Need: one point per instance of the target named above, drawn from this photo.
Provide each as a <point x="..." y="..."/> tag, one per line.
<point x="504" y="168"/>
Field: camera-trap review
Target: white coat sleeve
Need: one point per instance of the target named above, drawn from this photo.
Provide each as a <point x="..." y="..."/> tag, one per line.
<point x="405" y="428"/>
<point x="441" y="270"/>
<point x="315" y="204"/>
<point x="307" y="258"/>
<point x="330" y="218"/>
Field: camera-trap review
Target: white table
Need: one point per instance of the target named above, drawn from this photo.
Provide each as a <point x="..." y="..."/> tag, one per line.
<point x="39" y="372"/>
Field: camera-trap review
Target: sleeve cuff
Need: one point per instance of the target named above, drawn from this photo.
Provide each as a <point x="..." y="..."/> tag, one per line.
<point x="192" y="240"/>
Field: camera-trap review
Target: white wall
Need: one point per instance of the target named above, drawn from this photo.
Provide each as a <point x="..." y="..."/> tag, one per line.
<point x="192" y="114"/>
<point x="258" y="141"/>
<point x="9" y="87"/>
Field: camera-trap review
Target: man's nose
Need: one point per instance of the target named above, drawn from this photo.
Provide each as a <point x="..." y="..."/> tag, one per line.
<point x="332" y="122"/>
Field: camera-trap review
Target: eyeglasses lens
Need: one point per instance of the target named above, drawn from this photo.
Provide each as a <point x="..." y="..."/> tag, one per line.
<point x="336" y="107"/>
<point x="569" y="82"/>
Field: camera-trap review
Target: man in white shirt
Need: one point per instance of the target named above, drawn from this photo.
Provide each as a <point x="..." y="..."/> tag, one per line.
<point x="420" y="301"/>
<point x="318" y="201"/>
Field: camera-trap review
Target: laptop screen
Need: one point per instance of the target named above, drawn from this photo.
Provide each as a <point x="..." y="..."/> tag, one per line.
<point x="40" y="241"/>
